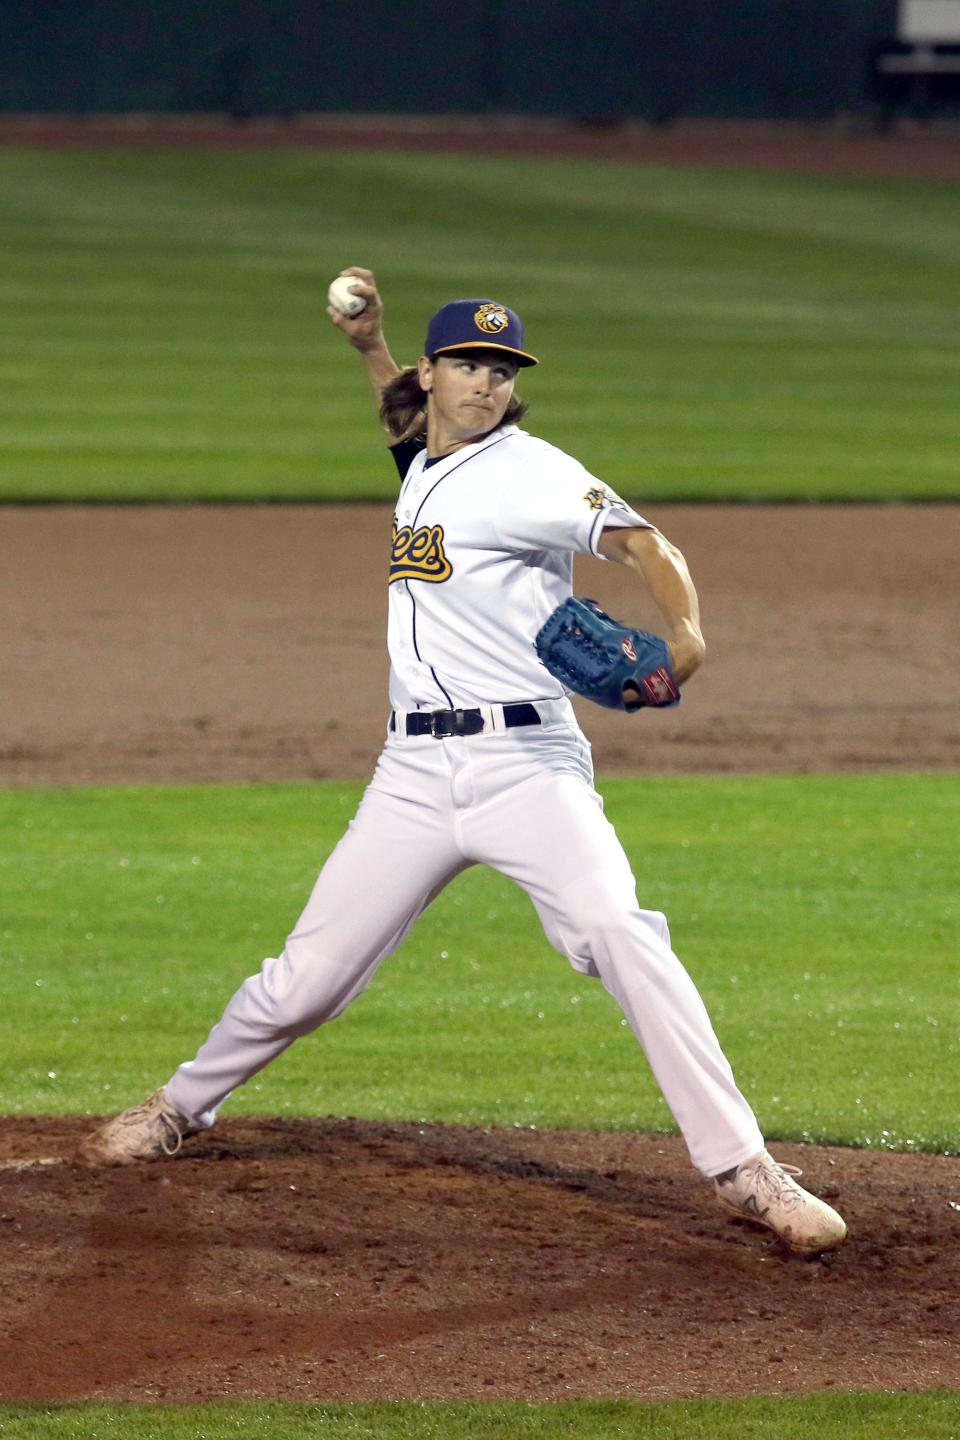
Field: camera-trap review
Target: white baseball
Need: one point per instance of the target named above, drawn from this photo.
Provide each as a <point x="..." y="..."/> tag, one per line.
<point x="342" y="298"/>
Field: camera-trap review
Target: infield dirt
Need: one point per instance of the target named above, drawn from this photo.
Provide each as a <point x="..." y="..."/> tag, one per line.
<point x="249" y="642"/>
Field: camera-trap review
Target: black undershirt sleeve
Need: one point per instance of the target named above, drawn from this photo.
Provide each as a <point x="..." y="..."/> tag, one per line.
<point x="404" y="452"/>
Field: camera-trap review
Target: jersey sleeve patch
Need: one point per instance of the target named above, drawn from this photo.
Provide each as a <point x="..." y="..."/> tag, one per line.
<point x="550" y="502"/>
<point x="598" y="497"/>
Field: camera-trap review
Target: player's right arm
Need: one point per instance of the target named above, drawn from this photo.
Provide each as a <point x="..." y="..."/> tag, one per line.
<point x="365" y="331"/>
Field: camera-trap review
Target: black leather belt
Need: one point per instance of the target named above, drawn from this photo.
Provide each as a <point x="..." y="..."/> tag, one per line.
<point x="442" y="724"/>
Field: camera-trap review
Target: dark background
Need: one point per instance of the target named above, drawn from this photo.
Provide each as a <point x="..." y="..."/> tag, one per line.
<point x="592" y="60"/>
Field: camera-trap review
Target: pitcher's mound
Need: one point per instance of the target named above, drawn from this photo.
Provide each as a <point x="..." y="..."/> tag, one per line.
<point x="339" y="1259"/>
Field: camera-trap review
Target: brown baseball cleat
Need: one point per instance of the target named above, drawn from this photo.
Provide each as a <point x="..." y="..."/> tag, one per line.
<point x="151" y="1131"/>
<point x="762" y="1190"/>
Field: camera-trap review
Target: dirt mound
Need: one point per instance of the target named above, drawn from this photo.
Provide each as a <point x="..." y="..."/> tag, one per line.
<point x="343" y="1260"/>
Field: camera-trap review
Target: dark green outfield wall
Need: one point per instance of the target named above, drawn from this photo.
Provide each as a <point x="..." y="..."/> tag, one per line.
<point x="589" y="59"/>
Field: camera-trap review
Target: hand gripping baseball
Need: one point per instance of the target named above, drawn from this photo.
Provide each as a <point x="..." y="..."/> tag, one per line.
<point x="604" y="661"/>
<point x="363" y="327"/>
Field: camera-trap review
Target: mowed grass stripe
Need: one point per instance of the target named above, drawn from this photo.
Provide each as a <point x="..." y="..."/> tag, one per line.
<point x="705" y="334"/>
<point x="817" y="914"/>
<point x="858" y="1415"/>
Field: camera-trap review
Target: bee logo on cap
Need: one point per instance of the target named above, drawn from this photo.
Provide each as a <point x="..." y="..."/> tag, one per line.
<point x="491" y="319"/>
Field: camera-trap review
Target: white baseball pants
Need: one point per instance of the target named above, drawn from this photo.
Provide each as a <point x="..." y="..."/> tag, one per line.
<point x="523" y="802"/>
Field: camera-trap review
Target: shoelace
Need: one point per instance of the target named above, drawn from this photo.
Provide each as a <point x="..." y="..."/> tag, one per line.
<point x="174" y="1129"/>
<point x="787" y="1169"/>
<point x="784" y="1177"/>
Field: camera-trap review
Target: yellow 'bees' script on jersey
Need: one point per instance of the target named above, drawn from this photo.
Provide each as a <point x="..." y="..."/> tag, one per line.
<point x="419" y="554"/>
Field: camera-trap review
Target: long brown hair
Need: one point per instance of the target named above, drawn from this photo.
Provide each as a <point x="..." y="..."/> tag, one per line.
<point x="403" y="407"/>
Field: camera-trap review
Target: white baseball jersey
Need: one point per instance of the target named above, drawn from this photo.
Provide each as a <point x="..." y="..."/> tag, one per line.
<point x="482" y="554"/>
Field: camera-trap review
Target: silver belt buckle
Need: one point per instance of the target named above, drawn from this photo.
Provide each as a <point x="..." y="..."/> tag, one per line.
<point x="455" y="723"/>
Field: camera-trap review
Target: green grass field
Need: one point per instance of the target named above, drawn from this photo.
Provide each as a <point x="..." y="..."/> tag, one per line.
<point x="704" y="334"/>
<point x="818" y="916"/>
<point x="932" y="1416"/>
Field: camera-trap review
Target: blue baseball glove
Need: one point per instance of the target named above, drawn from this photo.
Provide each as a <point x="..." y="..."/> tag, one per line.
<point x="608" y="663"/>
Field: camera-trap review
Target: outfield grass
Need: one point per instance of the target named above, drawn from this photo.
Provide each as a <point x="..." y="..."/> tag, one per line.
<point x="853" y="1416"/>
<point x="704" y="334"/>
<point x="817" y="914"/>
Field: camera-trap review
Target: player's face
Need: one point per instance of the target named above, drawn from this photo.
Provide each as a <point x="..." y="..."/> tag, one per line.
<point x="469" y="392"/>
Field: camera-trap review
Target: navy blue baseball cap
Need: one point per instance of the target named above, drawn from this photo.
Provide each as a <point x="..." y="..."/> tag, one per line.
<point x="477" y="325"/>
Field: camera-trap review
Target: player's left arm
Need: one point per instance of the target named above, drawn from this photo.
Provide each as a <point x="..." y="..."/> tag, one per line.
<point x="664" y="572"/>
